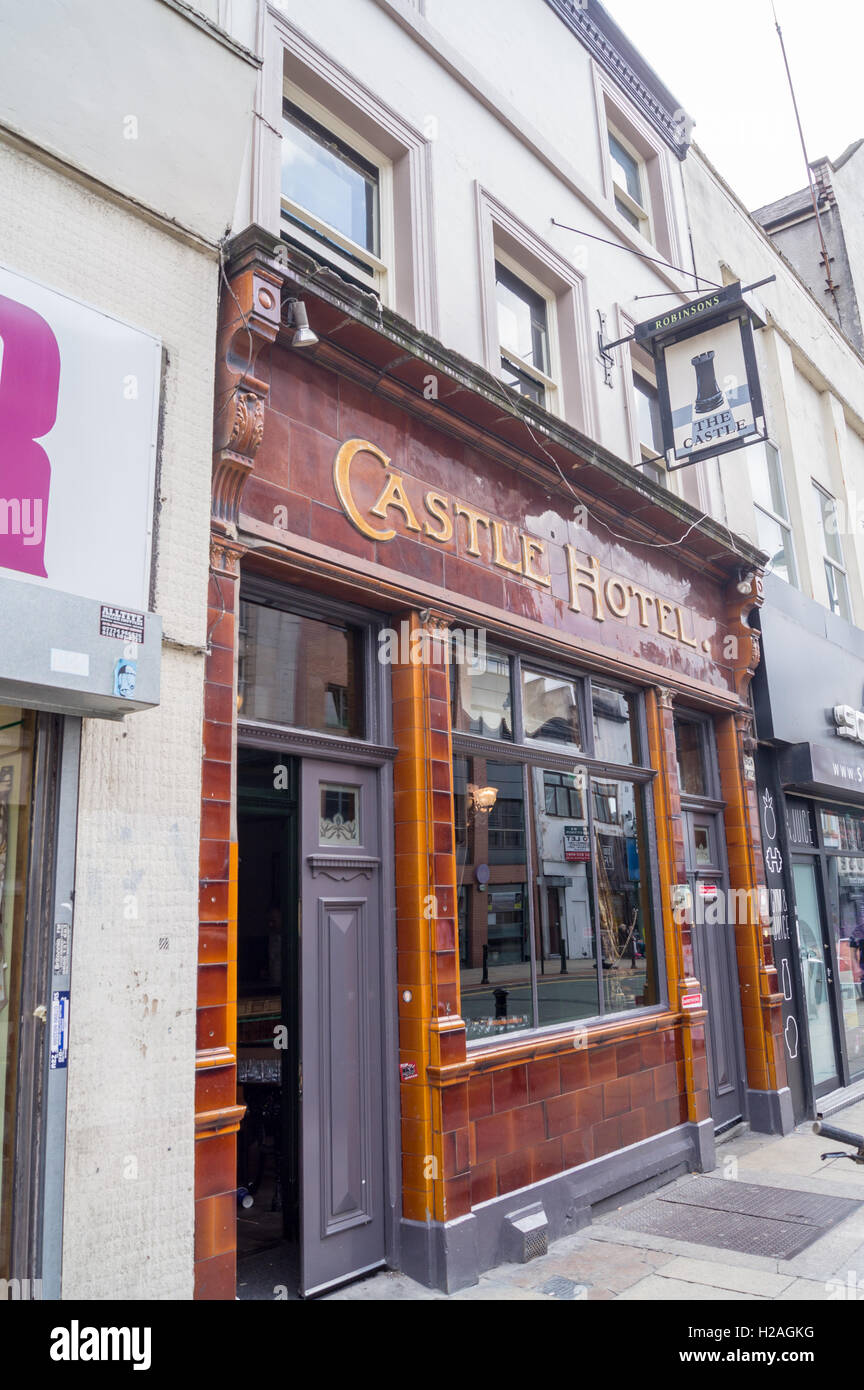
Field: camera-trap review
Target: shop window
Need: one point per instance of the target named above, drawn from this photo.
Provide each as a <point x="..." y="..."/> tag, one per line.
<point x="482" y="702"/>
<point x="616" y="732"/>
<point x="336" y="194"/>
<point x="556" y="920"/>
<point x="299" y="671"/>
<point x="524" y="331"/>
<point x="17" y="735"/>
<point x="827" y="517"/>
<point x="550" y="709"/>
<point x="773" y="528"/>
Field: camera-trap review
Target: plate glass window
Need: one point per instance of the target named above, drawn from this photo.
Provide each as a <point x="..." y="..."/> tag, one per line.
<point x="523" y="334"/>
<point x="690" y="737"/>
<point x="299" y="671"/>
<point x="338" y="188"/>
<point x="554" y="864"/>
<point x="482" y="702"/>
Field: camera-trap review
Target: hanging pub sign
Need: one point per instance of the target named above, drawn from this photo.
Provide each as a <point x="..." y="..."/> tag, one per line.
<point x="707" y="380"/>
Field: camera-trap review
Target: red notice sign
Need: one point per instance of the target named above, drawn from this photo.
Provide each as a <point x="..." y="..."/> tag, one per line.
<point x="691" y="1001"/>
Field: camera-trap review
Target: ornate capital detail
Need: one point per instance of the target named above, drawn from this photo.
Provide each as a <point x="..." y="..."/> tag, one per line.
<point x="249" y="320"/>
<point x="665" y="696"/>
<point x="434" y="620"/>
<point x="742" y="598"/>
<point x="225" y="557"/>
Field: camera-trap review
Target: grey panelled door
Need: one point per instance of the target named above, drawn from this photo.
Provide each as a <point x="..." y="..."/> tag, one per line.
<point x="716" y="966"/>
<point x="342" y="1223"/>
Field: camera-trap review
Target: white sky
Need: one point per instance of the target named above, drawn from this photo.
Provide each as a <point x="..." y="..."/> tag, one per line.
<point x="721" y="60"/>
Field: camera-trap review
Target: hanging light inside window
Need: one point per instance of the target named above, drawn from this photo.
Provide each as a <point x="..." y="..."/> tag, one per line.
<point x="482" y="798"/>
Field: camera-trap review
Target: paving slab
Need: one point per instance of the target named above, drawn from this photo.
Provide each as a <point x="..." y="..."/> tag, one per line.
<point x="736" y="1278"/>
<point x="657" y="1289"/>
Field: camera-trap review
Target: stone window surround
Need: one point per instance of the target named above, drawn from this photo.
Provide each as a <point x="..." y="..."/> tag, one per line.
<point x="500" y="231"/>
<point x="413" y="292"/>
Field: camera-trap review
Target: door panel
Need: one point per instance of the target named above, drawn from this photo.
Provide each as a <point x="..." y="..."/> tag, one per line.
<point x="342" y="1122"/>
<point x="717" y="966"/>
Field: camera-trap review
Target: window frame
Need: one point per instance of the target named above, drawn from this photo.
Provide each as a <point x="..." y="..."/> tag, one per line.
<point x="342" y="251"/>
<point x="549" y="382"/>
<point x="784" y="522"/>
<point x="528" y="756"/>
<point x="643" y="212"/>
<point x="837" y="567"/>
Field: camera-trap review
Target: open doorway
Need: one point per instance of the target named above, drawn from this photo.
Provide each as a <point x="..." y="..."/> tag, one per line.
<point x="268" y="1218"/>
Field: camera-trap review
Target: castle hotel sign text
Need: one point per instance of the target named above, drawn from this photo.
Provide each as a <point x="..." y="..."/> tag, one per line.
<point x="436" y="516"/>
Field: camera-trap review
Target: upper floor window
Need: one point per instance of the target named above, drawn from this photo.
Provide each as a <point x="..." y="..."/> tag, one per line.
<point x="524" y="336"/>
<point x="629" y="182"/>
<point x="335" y="195"/>
<point x="832" y="553"/>
<point x="773" y="528"/>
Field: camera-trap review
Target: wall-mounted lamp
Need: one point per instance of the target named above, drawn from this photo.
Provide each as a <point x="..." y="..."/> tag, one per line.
<point x="303" y="336"/>
<point x="482" y="798"/>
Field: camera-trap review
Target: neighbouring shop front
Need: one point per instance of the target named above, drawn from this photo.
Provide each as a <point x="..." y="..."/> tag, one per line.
<point x="811" y="794"/>
<point x="474" y="748"/>
<point x="76" y="640"/>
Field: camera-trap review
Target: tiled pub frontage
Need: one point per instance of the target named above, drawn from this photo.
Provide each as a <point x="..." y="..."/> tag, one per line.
<point x="478" y="788"/>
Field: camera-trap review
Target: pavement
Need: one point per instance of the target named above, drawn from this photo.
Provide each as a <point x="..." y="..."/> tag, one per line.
<point x="606" y="1261"/>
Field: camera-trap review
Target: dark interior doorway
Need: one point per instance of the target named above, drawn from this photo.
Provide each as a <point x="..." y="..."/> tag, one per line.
<point x="267" y="1025"/>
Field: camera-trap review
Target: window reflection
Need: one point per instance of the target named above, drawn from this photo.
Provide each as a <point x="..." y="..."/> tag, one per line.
<point x="615" y="733"/>
<point x="564" y="904"/>
<point x="494" y="935"/>
<point x="550" y="710"/>
<point x="482" y="701"/>
<point x="623" y="901"/>
<point x="846" y="895"/>
<point x="299" y="671"/>
<point x="690" y="749"/>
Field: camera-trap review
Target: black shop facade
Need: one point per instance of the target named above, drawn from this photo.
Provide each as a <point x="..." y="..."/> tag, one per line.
<point x="809" y="703"/>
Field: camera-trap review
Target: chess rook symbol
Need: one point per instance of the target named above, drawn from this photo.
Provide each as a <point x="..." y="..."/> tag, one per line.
<point x="709" y="397"/>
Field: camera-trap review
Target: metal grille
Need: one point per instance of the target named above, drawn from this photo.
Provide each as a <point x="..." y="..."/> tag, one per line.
<point x="740" y="1216"/>
<point x="536" y="1244"/>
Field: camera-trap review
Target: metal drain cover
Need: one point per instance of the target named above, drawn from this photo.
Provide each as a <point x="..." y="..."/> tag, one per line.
<point x="740" y="1216"/>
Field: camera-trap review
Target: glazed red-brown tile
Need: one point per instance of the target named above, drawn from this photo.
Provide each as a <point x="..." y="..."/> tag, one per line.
<point x="544" y="1078"/>
<point x="509" y="1088"/>
<point x="575" y="1110"/>
<point x="484" y="1183"/>
<point x="574" y="1070"/>
<point x="578" y="1147"/>
<point x="216" y="1279"/>
<point x="215" y="1165"/>
<point x="480" y="1095"/>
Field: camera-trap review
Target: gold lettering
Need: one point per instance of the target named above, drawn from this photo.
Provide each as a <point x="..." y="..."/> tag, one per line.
<point x="498" y="557"/>
<point x="587" y="577"/>
<point x="621" y="606"/>
<point x="688" y="641"/>
<point x="530" y="550"/>
<point x="474" y="519"/>
<point x="437" y="505"/>
<point x="643" y="599"/>
<point x="664" y="611"/>
<point x="394" y="496"/>
<point x="342" y="483"/>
